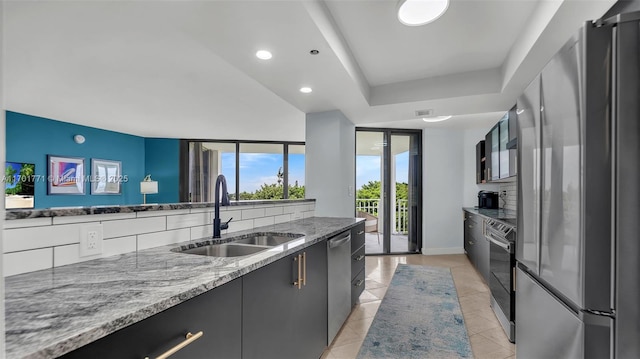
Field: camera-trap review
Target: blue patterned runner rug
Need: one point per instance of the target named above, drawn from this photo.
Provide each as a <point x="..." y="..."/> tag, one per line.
<point x="419" y="317"/>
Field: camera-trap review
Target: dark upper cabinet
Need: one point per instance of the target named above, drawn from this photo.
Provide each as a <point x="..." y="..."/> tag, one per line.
<point x="487" y="153"/>
<point x="492" y="152"/>
<point x="512" y="145"/>
<point x="499" y="150"/>
<point x="503" y="133"/>
<point x="481" y="173"/>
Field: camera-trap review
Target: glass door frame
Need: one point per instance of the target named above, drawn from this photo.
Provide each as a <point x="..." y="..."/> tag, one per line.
<point x="415" y="220"/>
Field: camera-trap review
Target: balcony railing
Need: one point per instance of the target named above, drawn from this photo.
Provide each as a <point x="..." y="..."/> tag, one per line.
<point x="371" y="206"/>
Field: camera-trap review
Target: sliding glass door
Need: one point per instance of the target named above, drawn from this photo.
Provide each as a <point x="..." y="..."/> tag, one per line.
<point x="389" y="187"/>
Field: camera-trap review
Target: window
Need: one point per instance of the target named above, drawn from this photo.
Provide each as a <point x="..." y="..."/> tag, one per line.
<point x="207" y="160"/>
<point x="261" y="171"/>
<point x="295" y="174"/>
<point x="254" y="170"/>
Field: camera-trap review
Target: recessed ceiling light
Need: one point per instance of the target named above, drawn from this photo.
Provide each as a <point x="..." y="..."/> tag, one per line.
<point x="420" y="12"/>
<point x="436" y="118"/>
<point x="264" y="55"/>
<point x="306" y="89"/>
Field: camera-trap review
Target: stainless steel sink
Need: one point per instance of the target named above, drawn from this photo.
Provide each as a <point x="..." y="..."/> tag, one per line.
<point x="242" y="245"/>
<point x="267" y="239"/>
<point x="225" y="250"/>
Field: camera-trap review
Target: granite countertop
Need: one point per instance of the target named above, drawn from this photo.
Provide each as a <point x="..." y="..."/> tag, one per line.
<point x="79" y="211"/>
<point x="52" y="312"/>
<point x="505" y="216"/>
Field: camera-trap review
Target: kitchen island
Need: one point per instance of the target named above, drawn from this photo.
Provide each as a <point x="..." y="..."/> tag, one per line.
<point x="52" y="312"/>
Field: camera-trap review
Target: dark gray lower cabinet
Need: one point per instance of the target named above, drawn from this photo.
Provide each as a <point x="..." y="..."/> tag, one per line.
<point x="216" y="313"/>
<point x="357" y="262"/>
<point x="475" y="244"/>
<point x="469" y="238"/>
<point x="279" y="320"/>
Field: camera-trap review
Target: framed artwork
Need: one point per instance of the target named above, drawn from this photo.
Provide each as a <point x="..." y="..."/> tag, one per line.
<point x="65" y="175"/>
<point x="106" y="176"/>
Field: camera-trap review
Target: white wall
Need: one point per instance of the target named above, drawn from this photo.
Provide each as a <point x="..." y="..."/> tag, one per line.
<point x="330" y="163"/>
<point x="471" y="137"/>
<point x="2" y="160"/>
<point x="443" y="181"/>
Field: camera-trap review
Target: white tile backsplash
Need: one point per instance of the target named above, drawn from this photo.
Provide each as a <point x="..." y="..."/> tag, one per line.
<point x="282" y="218"/>
<point x="273" y="211"/>
<point x="28" y="222"/>
<point x="511" y="199"/>
<point x="40" y="243"/>
<point x="253" y="213"/>
<point x="172" y="212"/>
<point x="63" y="255"/>
<point x="27" y="261"/>
<point x="201" y="232"/>
<point x="227" y="215"/>
<point x="264" y="221"/>
<point x="92" y="218"/>
<point x="157" y="239"/>
<point x="127" y="227"/>
<point x="21" y="239"/>
<point x="235" y="226"/>
<point x="188" y="220"/>
<point x="121" y="245"/>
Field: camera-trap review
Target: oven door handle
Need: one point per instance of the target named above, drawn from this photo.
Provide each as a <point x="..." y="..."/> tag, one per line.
<point x="505" y="246"/>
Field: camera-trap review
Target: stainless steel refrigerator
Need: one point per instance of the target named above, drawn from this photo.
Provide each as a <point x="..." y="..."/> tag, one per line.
<point x="578" y="245"/>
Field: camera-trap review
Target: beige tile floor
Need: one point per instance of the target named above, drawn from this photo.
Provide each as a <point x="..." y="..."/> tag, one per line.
<point x="486" y="336"/>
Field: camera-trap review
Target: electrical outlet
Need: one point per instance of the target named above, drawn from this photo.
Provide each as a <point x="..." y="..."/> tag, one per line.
<point x="91" y="240"/>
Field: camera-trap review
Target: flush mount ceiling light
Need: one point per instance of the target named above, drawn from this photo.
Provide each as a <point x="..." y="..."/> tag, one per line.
<point x="264" y="55"/>
<point x="436" y="118"/>
<point x="420" y="12"/>
<point x="306" y="90"/>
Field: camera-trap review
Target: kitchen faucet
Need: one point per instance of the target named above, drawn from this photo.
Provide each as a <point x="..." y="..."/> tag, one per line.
<point x="217" y="226"/>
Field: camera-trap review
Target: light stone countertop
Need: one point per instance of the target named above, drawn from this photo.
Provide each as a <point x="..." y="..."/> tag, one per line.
<point x="13" y="214"/>
<point x="505" y="216"/>
<point x="52" y="312"/>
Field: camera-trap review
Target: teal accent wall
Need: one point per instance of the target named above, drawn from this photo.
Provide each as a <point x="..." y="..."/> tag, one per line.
<point x="30" y="139"/>
<point x="162" y="161"/>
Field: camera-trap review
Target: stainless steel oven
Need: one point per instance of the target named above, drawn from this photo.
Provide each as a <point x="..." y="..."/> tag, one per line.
<point x="501" y="236"/>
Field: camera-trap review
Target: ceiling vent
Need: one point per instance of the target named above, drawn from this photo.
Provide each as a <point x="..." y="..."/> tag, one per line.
<point x="424" y="113"/>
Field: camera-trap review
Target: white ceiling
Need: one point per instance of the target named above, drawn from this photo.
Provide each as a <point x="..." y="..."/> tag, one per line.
<point x="187" y="69"/>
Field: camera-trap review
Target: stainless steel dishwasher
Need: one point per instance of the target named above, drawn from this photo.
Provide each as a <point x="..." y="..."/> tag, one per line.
<point x="339" y="282"/>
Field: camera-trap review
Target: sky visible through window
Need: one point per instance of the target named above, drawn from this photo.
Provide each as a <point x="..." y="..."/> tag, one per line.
<point x="368" y="168"/>
<point x="257" y="169"/>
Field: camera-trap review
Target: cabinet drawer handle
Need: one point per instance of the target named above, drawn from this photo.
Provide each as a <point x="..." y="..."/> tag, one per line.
<point x="299" y="281"/>
<point x="360" y="257"/>
<point x="304" y="268"/>
<point x="361" y="232"/>
<point x="358" y="283"/>
<point x="190" y="338"/>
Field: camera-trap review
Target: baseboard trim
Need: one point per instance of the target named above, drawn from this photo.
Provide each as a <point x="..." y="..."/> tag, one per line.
<point x="437" y="251"/>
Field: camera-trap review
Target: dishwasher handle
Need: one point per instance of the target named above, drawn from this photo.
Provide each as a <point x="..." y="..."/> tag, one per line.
<point x="339" y="241"/>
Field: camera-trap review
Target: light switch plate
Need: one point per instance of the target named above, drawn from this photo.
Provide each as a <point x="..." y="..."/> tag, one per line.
<point x="91" y="240"/>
